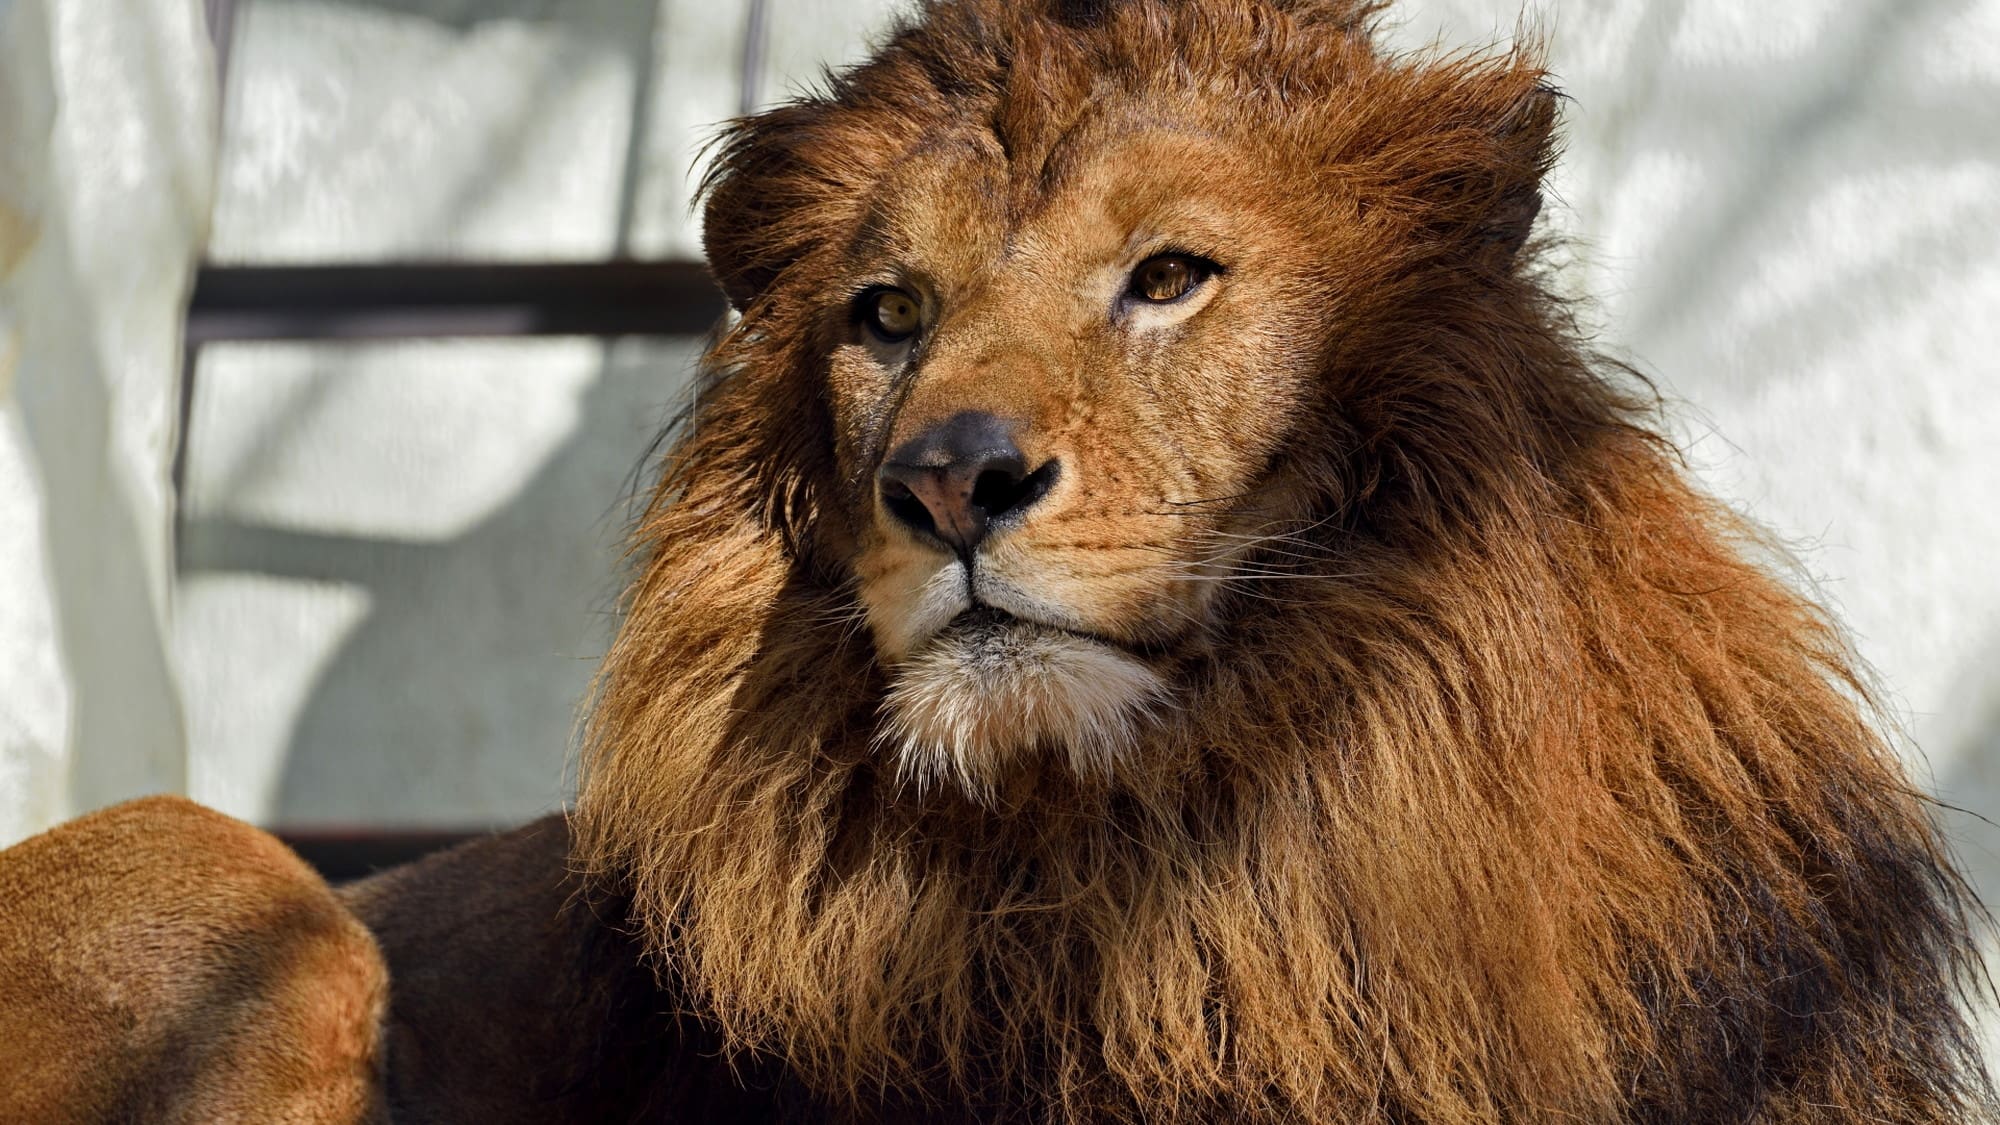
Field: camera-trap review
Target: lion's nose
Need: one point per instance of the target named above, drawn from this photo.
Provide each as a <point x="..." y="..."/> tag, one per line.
<point x="955" y="479"/>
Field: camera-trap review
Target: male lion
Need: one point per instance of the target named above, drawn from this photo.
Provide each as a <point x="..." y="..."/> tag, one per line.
<point x="1157" y="616"/>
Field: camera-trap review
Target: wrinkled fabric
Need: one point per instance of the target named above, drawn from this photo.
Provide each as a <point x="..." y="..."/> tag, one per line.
<point x="106" y="148"/>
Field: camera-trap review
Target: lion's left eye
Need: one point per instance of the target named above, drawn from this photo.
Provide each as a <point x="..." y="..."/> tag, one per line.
<point x="1169" y="277"/>
<point x="893" y="315"/>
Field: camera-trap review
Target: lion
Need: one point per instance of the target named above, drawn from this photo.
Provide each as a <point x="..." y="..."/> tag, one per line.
<point x="1158" y="613"/>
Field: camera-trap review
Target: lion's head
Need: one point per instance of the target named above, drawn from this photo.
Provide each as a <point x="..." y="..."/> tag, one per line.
<point x="1156" y="612"/>
<point x="1075" y="296"/>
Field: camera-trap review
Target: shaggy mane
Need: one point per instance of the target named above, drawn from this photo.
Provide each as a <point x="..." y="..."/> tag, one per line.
<point x="1556" y="805"/>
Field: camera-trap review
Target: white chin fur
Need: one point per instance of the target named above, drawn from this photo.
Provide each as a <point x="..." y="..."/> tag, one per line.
<point x="973" y="698"/>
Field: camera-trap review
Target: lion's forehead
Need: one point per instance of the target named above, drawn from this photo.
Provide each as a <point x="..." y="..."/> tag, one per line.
<point x="947" y="194"/>
<point x="960" y="206"/>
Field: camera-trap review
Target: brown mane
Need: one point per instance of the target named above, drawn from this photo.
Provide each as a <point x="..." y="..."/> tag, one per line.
<point x="1545" y="801"/>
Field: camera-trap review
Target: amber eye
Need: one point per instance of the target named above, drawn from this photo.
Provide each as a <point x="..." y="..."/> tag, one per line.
<point x="1169" y="277"/>
<point x="892" y="315"/>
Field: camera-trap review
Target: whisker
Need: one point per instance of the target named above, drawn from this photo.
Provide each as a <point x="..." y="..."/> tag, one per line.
<point x="1242" y="551"/>
<point x="1212" y="499"/>
<point x="1203" y="514"/>
<point x="1239" y="576"/>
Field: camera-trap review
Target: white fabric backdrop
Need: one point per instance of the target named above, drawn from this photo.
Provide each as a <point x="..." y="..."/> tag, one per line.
<point x="106" y="150"/>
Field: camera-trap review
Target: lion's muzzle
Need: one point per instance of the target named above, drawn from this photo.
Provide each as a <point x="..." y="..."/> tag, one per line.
<point x="956" y="480"/>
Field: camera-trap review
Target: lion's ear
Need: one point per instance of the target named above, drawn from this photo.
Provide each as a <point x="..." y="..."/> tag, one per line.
<point x="1526" y="142"/>
<point x="781" y="181"/>
<point x="734" y="217"/>
<point x="722" y="244"/>
<point x="752" y="196"/>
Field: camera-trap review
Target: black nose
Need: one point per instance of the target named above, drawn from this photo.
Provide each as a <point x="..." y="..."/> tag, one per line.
<point x="957" y="477"/>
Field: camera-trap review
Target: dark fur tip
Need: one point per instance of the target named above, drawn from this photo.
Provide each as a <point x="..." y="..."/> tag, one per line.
<point x="1082" y="13"/>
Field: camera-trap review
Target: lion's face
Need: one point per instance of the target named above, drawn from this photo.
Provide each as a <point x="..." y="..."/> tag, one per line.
<point x="1056" y="426"/>
<point x="1086" y="354"/>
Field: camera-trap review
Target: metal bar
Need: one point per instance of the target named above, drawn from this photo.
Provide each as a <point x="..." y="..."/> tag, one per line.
<point x="402" y="301"/>
<point x="754" y="35"/>
<point x="221" y="16"/>
<point x="178" y="466"/>
<point x="644" y="90"/>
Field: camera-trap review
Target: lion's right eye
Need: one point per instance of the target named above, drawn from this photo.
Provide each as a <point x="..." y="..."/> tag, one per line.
<point x="892" y="315"/>
<point x="1165" y="278"/>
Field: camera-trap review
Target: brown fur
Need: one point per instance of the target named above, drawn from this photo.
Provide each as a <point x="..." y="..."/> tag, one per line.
<point x="163" y="963"/>
<point x="1498" y="779"/>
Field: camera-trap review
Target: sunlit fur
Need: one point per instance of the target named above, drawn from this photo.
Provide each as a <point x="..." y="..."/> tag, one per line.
<point x="1496" y="779"/>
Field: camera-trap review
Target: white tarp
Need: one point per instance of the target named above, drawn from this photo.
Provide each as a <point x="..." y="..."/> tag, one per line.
<point x="106" y="151"/>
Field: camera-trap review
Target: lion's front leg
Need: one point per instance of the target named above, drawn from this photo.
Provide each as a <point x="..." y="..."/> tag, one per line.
<point x="161" y="962"/>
